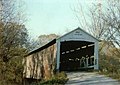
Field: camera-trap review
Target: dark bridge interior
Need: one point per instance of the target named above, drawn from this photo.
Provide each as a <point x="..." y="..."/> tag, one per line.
<point x="75" y="54"/>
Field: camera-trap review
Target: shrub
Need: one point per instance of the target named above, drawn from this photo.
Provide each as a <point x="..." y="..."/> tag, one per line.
<point x="58" y="79"/>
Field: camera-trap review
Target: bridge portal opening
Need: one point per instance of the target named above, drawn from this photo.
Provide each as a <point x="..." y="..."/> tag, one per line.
<point x="76" y="55"/>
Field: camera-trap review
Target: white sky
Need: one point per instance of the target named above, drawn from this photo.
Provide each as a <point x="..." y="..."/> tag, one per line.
<point x="53" y="16"/>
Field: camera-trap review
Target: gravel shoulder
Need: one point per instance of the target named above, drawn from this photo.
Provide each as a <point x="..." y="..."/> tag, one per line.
<point x="89" y="78"/>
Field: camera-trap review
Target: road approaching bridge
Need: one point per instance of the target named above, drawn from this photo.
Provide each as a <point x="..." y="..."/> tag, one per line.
<point x="89" y="78"/>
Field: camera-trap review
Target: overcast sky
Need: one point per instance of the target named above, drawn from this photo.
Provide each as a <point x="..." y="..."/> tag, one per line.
<point x="53" y="16"/>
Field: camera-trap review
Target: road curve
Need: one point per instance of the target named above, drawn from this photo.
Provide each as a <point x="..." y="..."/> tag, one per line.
<point x="89" y="78"/>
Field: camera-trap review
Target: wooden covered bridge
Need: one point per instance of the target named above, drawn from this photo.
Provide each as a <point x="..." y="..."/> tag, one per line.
<point x="72" y="51"/>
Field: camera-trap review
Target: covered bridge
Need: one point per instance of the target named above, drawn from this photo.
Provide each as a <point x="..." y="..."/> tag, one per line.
<point x="72" y="51"/>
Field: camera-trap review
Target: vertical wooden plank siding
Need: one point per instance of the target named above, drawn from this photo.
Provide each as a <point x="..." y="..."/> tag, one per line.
<point x="40" y="64"/>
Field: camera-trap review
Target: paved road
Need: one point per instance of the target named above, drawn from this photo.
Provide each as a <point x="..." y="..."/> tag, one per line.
<point x="89" y="78"/>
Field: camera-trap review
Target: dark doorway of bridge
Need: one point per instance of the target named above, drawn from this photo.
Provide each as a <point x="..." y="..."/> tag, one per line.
<point x="76" y="55"/>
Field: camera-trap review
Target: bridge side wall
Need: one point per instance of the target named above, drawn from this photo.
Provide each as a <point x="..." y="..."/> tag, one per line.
<point x="41" y="64"/>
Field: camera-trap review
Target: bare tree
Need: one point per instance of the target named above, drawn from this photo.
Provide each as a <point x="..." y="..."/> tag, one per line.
<point x="44" y="39"/>
<point x="103" y="20"/>
<point x="13" y="32"/>
<point x="13" y="38"/>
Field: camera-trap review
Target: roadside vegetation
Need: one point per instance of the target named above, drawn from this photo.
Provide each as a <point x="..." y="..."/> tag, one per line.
<point x="109" y="61"/>
<point x="110" y="66"/>
<point x="57" y="79"/>
<point x="13" y="42"/>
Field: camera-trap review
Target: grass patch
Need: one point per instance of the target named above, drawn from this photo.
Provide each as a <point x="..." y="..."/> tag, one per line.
<point x="58" y="79"/>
